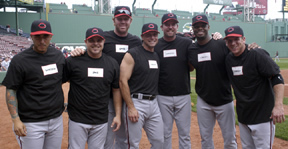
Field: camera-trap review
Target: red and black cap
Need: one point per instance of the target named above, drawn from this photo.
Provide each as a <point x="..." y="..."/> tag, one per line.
<point x="169" y="16"/>
<point x="41" y="27"/>
<point x="94" y="31"/>
<point x="234" y="31"/>
<point x="149" y="27"/>
<point x="200" y="18"/>
<point x="122" y="10"/>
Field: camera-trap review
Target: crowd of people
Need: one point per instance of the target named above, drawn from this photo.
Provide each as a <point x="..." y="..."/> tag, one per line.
<point x="123" y="83"/>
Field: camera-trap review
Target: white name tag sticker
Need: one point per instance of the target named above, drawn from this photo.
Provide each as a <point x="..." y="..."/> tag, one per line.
<point x="169" y="53"/>
<point x="204" y="57"/>
<point x="120" y="48"/>
<point x="153" y="64"/>
<point x="237" y="71"/>
<point x="96" y="72"/>
<point x="49" y="69"/>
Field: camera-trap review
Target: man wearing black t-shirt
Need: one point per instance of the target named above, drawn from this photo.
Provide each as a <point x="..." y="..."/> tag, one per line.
<point x="259" y="89"/>
<point x="34" y="91"/>
<point x="212" y="86"/>
<point x="174" y="82"/>
<point x="92" y="76"/>
<point x="117" y="43"/>
<point x="139" y="75"/>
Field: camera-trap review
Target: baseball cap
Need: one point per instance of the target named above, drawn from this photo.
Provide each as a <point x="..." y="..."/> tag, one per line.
<point x="94" y="31"/>
<point x="122" y="10"/>
<point x="149" y="27"/>
<point x="200" y="18"/>
<point x="41" y="27"/>
<point x="234" y="31"/>
<point x="169" y="16"/>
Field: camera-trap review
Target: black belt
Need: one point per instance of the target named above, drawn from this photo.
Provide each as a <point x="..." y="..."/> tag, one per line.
<point x="145" y="97"/>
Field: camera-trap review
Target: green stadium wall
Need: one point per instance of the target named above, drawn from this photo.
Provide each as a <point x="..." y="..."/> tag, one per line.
<point x="69" y="29"/>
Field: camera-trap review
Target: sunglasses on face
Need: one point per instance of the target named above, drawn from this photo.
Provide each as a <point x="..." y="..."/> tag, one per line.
<point x="124" y="11"/>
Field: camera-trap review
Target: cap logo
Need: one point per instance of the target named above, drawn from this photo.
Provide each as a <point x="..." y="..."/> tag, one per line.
<point x="151" y="26"/>
<point x="199" y="17"/>
<point x="42" y="25"/>
<point x="230" y="29"/>
<point x="95" y="30"/>
<point x="170" y="15"/>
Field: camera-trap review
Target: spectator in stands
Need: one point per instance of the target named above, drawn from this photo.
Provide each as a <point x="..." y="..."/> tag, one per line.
<point x="20" y="31"/>
<point x="5" y="64"/>
<point x="8" y="28"/>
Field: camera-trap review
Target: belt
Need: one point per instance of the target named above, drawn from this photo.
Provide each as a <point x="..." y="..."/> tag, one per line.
<point x="145" y="97"/>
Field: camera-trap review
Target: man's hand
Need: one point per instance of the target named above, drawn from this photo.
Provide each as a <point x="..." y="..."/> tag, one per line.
<point x="278" y="114"/>
<point x="253" y="45"/>
<point x="77" y="52"/>
<point x="133" y="114"/>
<point x="19" y="127"/>
<point x="216" y="36"/>
<point x="117" y="122"/>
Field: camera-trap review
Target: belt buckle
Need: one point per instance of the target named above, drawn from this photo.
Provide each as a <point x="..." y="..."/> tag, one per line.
<point x="151" y="97"/>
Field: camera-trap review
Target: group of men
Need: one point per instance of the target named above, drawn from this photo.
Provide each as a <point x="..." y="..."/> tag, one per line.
<point x="122" y="84"/>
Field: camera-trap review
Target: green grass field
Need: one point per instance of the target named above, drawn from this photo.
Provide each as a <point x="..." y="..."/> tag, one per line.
<point x="283" y="64"/>
<point x="281" y="129"/>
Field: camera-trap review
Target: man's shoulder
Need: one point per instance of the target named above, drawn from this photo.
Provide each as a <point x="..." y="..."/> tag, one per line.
<point x="130" y="36"/>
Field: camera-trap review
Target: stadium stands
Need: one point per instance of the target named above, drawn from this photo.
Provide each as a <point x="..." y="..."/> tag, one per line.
<point x="10" y="42"/>
<point x="159" y="12"/>
<point x="59" y="8"/>
<point x="182" y="14"/>
<point x="82" y="9"/>
<point x="143" y="12"/>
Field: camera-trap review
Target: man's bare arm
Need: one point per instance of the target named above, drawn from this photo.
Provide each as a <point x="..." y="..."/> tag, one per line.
<point x="126" y="69"/>
<point x="12" y="104"/>
<point x="117" y="100"/>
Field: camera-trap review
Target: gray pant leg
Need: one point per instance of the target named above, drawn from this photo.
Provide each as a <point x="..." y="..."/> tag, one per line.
<point x="226" y="119"/>
<point x="78" y="135"/>
<point x="134" y="130"/>
<point x="165" y="104"/>
<point x="154" y="126"/>
<point x="258" y="136"/>
<point x="43" y="135"/>
<point x="109" y="143"/>
<point x="115" y="140"/>
<point x="53" y="138"/>
<point x="97" y="136"/>
<point x="35" y="136"/>
<point x="206" y="121"/>
<point x="183" y="120"/>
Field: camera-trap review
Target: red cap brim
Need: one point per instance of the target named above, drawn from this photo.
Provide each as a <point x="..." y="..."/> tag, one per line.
<point x="94" y="36"/>
<point x="233" y="35"/>
<point x="122" y="14"/>
<point x="40" y="32"/>
<point x="170" y="19"/>
<point x="151" y="30"/>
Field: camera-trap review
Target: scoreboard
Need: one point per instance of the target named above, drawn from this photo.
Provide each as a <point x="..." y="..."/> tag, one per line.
<point x="285" y="6"/>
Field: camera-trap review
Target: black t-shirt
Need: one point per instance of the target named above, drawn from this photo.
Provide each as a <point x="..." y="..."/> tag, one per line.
<point x="91" y="81"/>
<point x="250" y="77"/>
<point x="212" y="82"/>
<point x="145" y="75"/>
<point x="38" y="81"/>
<point x="174" y="76"/>
<point x="117" y="46"/>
